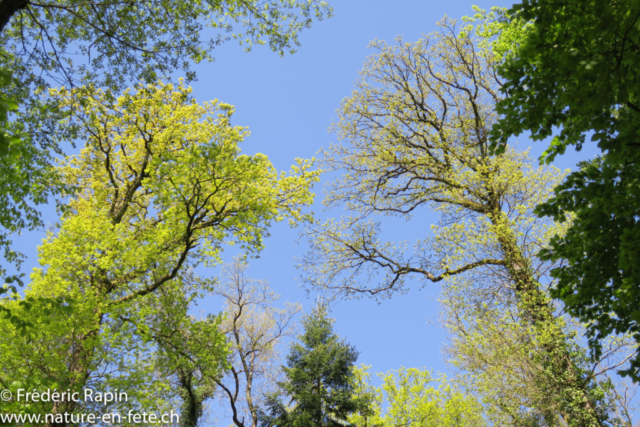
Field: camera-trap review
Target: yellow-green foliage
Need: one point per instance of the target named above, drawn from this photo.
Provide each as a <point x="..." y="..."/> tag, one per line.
<point x="161" y="187"/>
<point x="413" y="397"/>
<point x="414" y="135"/>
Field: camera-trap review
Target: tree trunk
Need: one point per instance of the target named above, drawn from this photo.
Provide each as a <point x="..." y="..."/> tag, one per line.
<point x="8" y="8"/>
<point x="79" y="370"/>
<point x="536" y="308"/>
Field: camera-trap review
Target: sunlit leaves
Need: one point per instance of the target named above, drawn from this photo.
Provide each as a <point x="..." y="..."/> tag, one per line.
<point x="414" y="135"/>
<point x="161" y="186"/>
<point x="110" y="45"/>
<point x="414" y="397"/>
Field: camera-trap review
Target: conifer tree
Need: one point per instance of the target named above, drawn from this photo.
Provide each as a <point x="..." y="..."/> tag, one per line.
<point x="319" y="380"/>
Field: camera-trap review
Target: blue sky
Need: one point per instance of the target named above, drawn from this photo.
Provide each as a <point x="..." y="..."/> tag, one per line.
<point x="288" y="103"/>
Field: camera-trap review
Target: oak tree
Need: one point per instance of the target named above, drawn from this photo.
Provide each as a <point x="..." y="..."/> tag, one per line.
<point x="415" y="135"/>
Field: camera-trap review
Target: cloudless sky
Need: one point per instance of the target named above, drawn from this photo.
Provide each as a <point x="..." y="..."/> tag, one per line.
<point x="288" y="103"/>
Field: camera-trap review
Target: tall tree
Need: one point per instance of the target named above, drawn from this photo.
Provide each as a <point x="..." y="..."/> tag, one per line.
<point x="574" y="76"/>
<point x="110" y="45"/>
<point x="319" y="379"/>
<point x="415" y="135"/>
<point x="162" y="188"/>
<point x="255" y="329"/>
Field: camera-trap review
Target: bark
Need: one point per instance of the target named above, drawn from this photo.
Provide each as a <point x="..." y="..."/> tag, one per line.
<point x="192" y="407"/>
<point x="8" y="8"/>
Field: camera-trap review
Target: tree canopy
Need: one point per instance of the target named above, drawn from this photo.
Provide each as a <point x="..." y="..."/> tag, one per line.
<point x="110" y="45"/>
<point x="415" y="134"/>
<point x="574" y="76"/>
<point x="162" y="187"/>
<point x="121" y="42"/>
<point x="414" y="397"/>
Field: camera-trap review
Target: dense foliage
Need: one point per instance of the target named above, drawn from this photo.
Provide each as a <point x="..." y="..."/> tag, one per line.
<point x="413" y="397"/>
<point x="574" y="76"/>
<point x="162" y="188"/>
<point x="109" y="45"/>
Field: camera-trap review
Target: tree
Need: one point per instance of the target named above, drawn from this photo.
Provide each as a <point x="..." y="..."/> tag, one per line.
<point x="188" y="350"/>
<point x="415" y="135"/>
<point x="413" y="397"/>
<point x="504" y="357"/>
<point x="24" y="182"/>
<point x="140" y="41"/>
<point x="574" y="75"/>
<point x="162" y="187"/>
<point x="109" y="45"/>
<point x="319" y="379"/>
<point x="255" y="330"/>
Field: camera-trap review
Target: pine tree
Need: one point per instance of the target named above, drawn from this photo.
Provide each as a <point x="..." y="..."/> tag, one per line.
<point x="319" y="380"/>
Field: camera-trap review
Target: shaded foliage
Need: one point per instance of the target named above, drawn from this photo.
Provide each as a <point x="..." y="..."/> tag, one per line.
<point x="574" y="75"/>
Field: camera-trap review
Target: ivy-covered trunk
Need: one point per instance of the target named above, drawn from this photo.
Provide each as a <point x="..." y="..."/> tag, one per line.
<point x="578" y="398"/>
